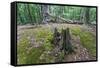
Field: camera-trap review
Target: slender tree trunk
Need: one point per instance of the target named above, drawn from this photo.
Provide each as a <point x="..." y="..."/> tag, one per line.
<point x="40" y="15"/>
<point x="45" y="12"/>
<point x="87" y="16"/>
<point x="29" y="12"/>
<point x="21" y="21"/>
<point x="19" y="15"/>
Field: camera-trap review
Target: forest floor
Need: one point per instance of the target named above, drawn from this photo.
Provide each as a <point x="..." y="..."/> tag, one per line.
<point x="34" y="44"/>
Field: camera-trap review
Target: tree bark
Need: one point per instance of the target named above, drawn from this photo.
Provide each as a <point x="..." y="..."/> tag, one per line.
<point x="19" y="15"/>
<point x="45" y="12"/>
<point x="29" y="12"/>
<point x="87" y="16"/>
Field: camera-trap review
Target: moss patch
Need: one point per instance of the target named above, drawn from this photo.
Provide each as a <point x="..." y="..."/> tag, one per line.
<point x="27" y="54"/>
<point x="89" y="41"/>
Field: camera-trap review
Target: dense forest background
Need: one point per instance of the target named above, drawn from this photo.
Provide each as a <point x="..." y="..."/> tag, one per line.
<point x="55" y="33"/>
<point x="38" y="14"/>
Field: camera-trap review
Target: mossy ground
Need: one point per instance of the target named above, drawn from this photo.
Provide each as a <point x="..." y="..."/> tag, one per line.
<point x="28" y="54"/>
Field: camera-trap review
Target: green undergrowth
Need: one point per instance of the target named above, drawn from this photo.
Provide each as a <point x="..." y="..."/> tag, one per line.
<point x="31" y="55"/>
<point x="28" y="54"/>
<point x="87" y="39"/>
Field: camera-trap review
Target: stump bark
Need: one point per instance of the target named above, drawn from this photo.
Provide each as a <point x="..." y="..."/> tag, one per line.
<point x="66" y="41"/>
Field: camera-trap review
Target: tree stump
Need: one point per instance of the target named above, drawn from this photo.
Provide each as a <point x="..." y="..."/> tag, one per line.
<point x="66" y="41"/>
<point x="57" y="37"/>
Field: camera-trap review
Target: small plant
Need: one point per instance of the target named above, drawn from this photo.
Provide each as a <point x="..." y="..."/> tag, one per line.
<point x="61" y="56"/>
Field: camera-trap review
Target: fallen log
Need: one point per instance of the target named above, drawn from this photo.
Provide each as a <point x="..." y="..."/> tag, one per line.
<point x="63" y="20"/>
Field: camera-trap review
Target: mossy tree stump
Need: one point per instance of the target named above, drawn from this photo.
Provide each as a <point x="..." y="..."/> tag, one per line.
<point x="62" y="40"/>
<point x="66" y="41"/>
<point x="57" y="37"/>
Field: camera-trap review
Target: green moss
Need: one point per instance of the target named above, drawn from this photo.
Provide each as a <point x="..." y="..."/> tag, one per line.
<point x="75" y="31"/>
<point x="88" y="41"/>
<point x="34" y="55"/>
<point x="21" y="49"/>
<point x="61" y="56"/>
<point x="50" y="59"/>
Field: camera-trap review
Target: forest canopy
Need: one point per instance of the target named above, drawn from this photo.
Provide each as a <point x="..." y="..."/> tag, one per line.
<point x="37" y="14"/>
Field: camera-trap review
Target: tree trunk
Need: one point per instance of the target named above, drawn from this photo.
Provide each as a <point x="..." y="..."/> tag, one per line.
<point x="45" y="12"/>
<point x="66" y="38"/>
<point x="87" y="16"/>
<point x="29" y="12"/>
<point x="19" y="15"/>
